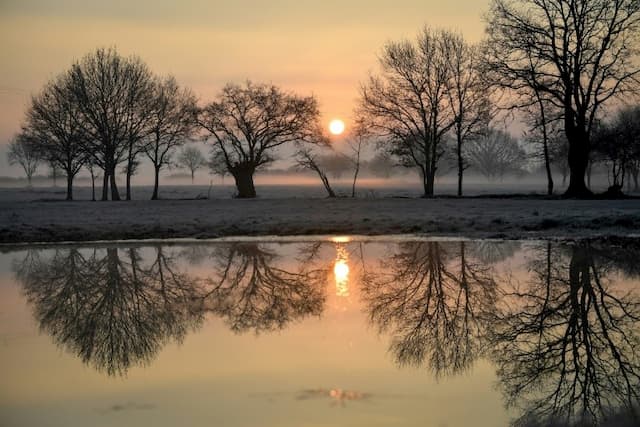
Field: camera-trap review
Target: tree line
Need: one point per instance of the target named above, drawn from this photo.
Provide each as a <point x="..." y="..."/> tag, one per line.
<point x="560" y="63"/>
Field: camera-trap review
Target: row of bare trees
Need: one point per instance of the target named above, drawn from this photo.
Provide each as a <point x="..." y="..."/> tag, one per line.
<point x="104" y="111"/>
<point x="108" y="110"/>
<point x="561" y="62"/>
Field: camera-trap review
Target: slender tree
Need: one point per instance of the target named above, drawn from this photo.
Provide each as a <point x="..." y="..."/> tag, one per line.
<point x="21" y="152"/>
<point x="191" y="158"/>
<point x="54" y="126"/>
<point x="172" y="124"/>
<point x="468" y="94"/>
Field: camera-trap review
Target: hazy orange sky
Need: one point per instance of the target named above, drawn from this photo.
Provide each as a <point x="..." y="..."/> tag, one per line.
<point x="309" y="46"/>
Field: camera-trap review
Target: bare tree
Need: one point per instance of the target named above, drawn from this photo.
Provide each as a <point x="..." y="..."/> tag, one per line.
<point x="468" y="95"/>
<point x="21" y="152"/>
<point x="405" y="104"/>
<point x="172" y="124"/>
<point x="495" y="154"/>
<point x="191" y="158"/>
<point x="543" y="132"/>
<point x="91" y="167"/>
<point x="53" y="126"/>
<point x="111" y="92"/>
<point x="306" y="158"/>
<point x="578" y="53"/>
<point x="248" y="123"/>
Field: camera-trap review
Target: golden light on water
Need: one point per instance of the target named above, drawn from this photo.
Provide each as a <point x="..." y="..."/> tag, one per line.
<point x="336" y="127"/>
<point x="341" y="273"/>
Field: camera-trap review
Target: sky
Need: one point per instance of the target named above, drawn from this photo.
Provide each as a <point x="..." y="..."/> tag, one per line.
<point x="325" y="48"/>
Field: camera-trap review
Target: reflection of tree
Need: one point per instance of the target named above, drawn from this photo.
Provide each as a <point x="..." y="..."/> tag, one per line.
<point x="566" y="342"/>
<point x="251" y="291"/>
<point x="435" y="301"/>
<point x="107" y="307"/>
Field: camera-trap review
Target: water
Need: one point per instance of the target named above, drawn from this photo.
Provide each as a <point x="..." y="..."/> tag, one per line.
<point x="338" y="332"/>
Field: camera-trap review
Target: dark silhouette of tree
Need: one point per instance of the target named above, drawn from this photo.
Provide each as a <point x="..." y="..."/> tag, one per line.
<point x="248" y="123"/>
<point x="435" y="302"/>
<point x="191" y="158"/>
<point x="22" y="152"/>
<point x="307" y="158"/>
<point x="172" y="124"/>
<point x="468" y="95"/>
<point x="577" y="54"/>
<point x="565" y="343"/>
<point x="252" y="292"/>
<point x="112" y="93"/>
<point x="107" y="307"/>
<point x="53" y="126"/>
<point x="405" y="104"/>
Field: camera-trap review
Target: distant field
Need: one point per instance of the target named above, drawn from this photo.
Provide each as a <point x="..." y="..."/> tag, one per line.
<point x="366" y="189"/>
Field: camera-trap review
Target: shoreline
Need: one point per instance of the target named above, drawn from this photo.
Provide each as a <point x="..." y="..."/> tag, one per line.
<point x="493" y="218"/>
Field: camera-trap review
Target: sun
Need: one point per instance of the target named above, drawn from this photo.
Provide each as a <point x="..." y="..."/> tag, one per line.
<point x="336" y="127"/>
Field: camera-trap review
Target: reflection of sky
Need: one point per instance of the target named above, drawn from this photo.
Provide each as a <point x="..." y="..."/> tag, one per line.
<point x="209" y="378"/>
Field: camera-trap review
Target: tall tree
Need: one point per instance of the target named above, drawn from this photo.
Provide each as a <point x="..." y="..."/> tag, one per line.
<point x="53" y="124"/>
<point x="110" y="90"/>
<point x="21" y="152"/>
<point x="468" y="94"/>
<point x="406" y="103"/>
<point x="578" y="53"/>
<point x="172" y="124"/>
<point x="248" y="123"/>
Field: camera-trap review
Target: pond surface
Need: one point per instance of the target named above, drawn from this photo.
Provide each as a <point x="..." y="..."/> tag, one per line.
<point x="340" y="332"/>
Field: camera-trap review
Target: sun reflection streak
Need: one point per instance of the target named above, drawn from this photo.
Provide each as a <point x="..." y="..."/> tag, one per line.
<point x="341" y="272"/>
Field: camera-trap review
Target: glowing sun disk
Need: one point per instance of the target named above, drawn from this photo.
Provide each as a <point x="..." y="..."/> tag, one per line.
<point x="336" y="127"/>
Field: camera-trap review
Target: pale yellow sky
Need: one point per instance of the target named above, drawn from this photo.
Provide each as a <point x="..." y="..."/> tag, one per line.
<point x="320" y="47"/>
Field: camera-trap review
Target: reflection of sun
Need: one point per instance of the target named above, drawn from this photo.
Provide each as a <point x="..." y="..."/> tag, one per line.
<point x="341" y="273"/>
<point x="336" y="127"/>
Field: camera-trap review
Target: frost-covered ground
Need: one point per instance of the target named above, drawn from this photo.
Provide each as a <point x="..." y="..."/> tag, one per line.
<point x="40" y="215"/>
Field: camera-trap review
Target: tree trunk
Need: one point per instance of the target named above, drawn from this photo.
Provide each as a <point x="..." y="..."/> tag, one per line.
<point x="105" y="185"/>
<point x="128" y="196"/>
<point x="93" y="187"/>
<point x="589" y="167"/>
<point x="425" y="186"/>
<point x="193" y="176"/>
<point x="69" y="186"/>
<point x="431" y="178"/>
<point x="156" y="183"/>
<point x="547" y="160"/>
<point x="578" y="160"/>
<point x="244" y="183"/>
<point x="460" y="167"/>
<point x="325" y="182"/>
<point x="115" y="195"/>
<point x="355" y="178"/>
